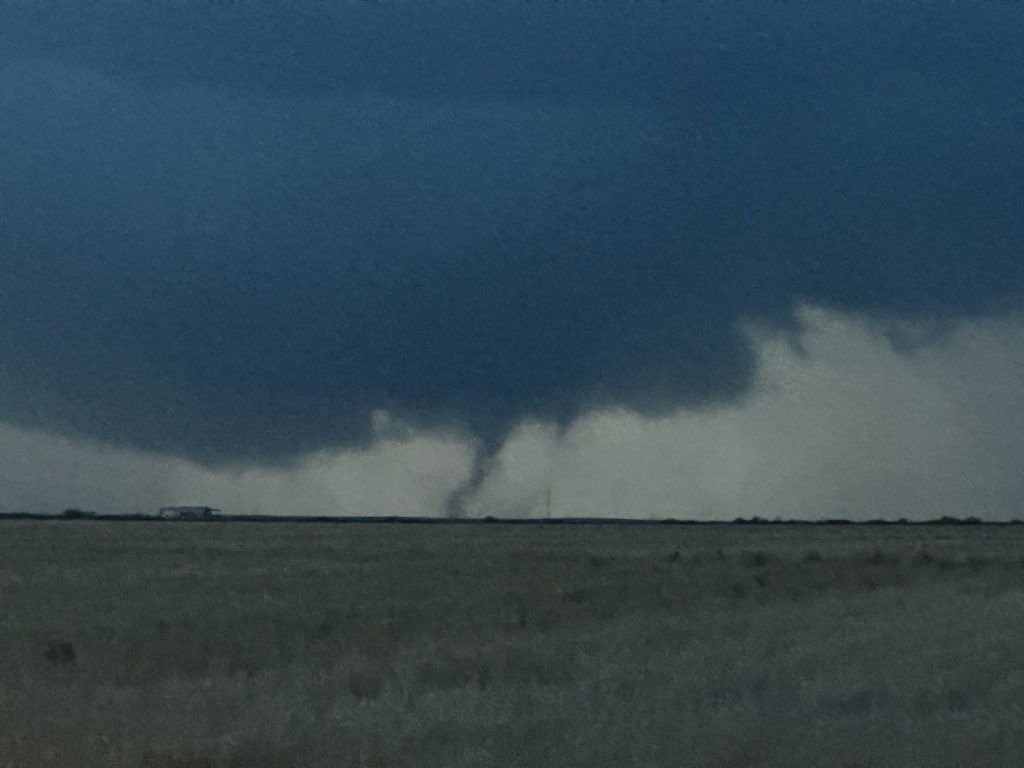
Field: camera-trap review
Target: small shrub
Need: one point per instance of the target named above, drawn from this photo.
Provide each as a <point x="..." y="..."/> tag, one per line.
<point x="812" y="556"/>
<point x="880" y="558"/>
<point x="674" y="557"/>
<point x="364" y="685"/>
<point x="574" y="595"/>
<point x="450" y="672"/>
<point x="759" y="688"/>
<point x="186" y="759"/>
<point x="60" y="653"/>
<point x="759" y="559"/>
<point x="858" y="703"/>
<point x="957" y="700"/>
<point x="522" y="616"/>
<point x="447" y="673"/>
<point x="924" y="558"/>
<point x="484" y="678"/>
<point x="537" y="666"/>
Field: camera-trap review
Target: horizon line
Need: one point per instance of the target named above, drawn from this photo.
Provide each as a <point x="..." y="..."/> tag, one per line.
<point x="75" y="515"/>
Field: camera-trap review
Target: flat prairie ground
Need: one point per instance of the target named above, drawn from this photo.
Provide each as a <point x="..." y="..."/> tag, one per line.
<point x="187" y="645"/>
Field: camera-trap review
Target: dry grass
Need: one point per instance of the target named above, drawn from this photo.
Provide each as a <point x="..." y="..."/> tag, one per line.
<point x="234" y="645"/>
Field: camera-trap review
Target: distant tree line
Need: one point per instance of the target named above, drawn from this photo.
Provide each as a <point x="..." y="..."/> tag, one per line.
<point x="209" y="514"/>
<point x="74" y="513"/>
<point x="944" y="520"/>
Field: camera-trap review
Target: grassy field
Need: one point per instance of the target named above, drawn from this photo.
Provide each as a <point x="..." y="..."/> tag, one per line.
<point x="170" y="645"/>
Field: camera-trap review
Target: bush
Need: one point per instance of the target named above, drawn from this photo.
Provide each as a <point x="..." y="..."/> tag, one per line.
<point x="60" y="653"/>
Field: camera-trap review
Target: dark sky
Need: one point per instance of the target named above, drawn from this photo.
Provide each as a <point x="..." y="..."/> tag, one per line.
<point x="229" y="231"/>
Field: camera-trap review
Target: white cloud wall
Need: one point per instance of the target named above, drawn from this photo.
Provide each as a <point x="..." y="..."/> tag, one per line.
<point x="841" y="424"/>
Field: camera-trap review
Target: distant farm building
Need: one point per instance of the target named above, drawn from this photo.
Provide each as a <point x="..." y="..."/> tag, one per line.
<point x="188" y="513"/>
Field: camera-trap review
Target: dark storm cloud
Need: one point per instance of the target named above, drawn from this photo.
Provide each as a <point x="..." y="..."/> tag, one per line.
<point x="232" y="230"/>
